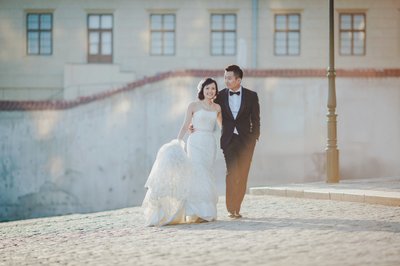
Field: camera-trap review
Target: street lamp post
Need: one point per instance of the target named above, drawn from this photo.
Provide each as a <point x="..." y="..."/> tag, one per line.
<point x="332" y="153"/>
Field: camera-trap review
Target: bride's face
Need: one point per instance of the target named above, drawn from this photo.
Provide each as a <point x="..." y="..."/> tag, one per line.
<point x="210" y="91"/>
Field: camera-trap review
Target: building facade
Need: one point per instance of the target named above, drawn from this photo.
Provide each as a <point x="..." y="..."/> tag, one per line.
<point x="68" y="48"/>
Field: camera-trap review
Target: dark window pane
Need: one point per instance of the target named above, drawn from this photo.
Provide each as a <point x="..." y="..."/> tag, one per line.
<point x="94" y="22"/>
<point x="345" y="22"/>
<point x="106" y="43"/>
<point x="45" y="22"/>
<point x="169" y="43"/>
<point x="156" y="22"/>
<point x="33" y="42"/>
<point x="45" y="43"/>
<point x="216" y="22"/>
<point x="33" y="22"/>
<point x="294" y="22"/>
<point x="216" y="43"/>
<point x="358" y="43"/>
<point x="106" y="22"/>
<point x="358" y="22"/>
<point x="293" y="43"/>
<point x="229" y="44"/>
<point x="230" y="22"/>
<point x="280" y="43"/>
<point x="280" y="23"/>
<point x="156" y="42"/>
<point x="94" y="41"/>
<point x="345" y="43"/>
<point x="169" y="22"/>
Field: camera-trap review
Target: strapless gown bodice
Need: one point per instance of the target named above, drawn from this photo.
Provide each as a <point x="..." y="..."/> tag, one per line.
<point x="204" y="120"/>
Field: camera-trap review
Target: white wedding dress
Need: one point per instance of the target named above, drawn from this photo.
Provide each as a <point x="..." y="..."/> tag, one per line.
<point x="181" y="187"/>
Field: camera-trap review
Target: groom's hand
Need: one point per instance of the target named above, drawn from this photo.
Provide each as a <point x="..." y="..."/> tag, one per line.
<point x="191" y="128"/>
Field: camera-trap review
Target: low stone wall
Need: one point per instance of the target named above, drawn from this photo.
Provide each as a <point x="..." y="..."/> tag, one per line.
<point x="95" y="153"/>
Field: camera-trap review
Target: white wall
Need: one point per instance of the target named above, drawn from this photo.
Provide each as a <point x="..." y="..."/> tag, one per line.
<point x="97" y="156"/>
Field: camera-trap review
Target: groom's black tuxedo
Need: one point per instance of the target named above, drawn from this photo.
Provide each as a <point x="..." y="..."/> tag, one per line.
<point x="247" y="121"/>
<point x="238" y="148"/>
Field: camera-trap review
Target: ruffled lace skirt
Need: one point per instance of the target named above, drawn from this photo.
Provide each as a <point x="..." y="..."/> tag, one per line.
<point x="180" y="186"/>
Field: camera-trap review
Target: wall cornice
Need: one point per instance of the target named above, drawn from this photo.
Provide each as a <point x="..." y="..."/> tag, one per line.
<point x="201" y="73"/>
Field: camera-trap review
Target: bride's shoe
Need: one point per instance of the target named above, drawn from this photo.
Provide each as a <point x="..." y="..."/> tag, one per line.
<point x="200" y="220"/>
<point x="195" y="219"/>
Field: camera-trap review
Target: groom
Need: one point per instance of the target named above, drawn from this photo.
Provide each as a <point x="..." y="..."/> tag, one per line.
<point x="240" y="131"/>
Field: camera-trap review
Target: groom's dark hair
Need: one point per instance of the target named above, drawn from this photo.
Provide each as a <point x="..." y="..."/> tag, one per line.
<point x="237" y="72"/>
<point x="204" y="83"/>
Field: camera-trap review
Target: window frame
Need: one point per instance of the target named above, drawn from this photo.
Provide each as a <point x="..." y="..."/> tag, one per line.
<point x="39" y="31"/>
<point x="352" y="31"/>
<point x="99" y="57"/>
<point x="162" y="31"/>
<point x="287" y="31"/>
<point x="223" y="30"/>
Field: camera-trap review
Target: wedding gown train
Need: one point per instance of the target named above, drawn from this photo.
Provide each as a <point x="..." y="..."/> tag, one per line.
<point x="181" y="186"/>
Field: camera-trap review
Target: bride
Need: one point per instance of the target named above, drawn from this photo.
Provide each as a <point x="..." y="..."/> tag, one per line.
<point x="180" y="186"/>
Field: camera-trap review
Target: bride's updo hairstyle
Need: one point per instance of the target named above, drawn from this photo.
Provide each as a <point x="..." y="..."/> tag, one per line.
<point x="202" y="84"/>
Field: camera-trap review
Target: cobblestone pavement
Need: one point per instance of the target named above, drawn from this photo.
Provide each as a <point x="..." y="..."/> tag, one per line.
<point x="273" y="231"/>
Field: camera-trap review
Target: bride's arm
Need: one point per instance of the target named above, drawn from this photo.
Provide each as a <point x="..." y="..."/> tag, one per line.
<point x="186" y="122"/>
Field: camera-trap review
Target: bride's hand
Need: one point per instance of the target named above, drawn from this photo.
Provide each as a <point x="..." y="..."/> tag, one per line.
<point x="181" y="142"/>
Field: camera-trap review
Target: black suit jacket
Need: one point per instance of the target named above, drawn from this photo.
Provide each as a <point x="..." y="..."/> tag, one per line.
<point x="247" y="121"/>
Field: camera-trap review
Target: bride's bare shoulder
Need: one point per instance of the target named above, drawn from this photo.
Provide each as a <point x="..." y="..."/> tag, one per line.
<point x="217" y="107"/>
<point x="194" y="106"/>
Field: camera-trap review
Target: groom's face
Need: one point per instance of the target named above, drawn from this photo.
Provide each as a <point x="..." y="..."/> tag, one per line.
<point x="231" y="81"/>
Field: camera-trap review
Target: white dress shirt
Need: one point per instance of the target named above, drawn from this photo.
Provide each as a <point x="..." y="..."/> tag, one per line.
<point x="234" y="103"/>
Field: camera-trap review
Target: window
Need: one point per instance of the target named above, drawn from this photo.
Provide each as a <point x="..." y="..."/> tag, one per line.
<point x="352" y="34"/>
<point x="287" y="34"/>
<point x="39" y="34"/>
<point x="162" y="34"/>
<point x="100" y="38"/>
<point x="223" y="34"/>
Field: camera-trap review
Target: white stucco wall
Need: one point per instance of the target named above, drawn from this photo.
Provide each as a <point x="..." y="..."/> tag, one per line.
<point x="97" y="156"/>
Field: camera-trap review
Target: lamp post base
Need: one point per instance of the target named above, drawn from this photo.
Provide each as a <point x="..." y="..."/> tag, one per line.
<point x="332" y="159"/>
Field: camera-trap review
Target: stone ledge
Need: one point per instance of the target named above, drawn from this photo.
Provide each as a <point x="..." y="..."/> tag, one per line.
<point x="356" y="195"/>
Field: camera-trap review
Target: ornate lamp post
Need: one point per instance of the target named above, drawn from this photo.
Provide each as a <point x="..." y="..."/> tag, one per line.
<point x="332" y="153"/>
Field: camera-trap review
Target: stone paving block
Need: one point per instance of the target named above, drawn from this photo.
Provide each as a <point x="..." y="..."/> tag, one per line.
<point x="353" y="197"/>
<point x="269" y="191"/>
<point x="315" y="194"/>
<point x="295" y="193"/>
<point x="382" y="200"/>
<point x="258" y="191"/>
<point x="336" y="196"/>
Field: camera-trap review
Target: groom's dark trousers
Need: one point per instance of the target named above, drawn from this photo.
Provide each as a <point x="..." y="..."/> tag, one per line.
<point x="238" y="155"/>
<point x="238" y="148"/>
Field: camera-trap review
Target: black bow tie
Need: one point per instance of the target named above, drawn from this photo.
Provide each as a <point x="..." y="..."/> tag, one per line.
<point x="237" y="93"/>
